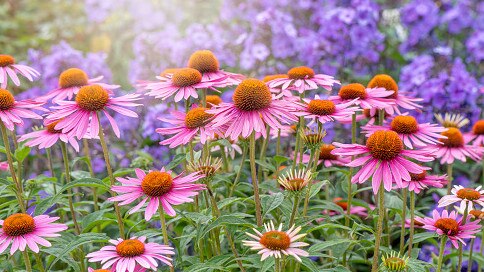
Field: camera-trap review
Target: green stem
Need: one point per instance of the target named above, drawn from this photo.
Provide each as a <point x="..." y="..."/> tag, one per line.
<point x="277" y="265"/>
<point x="111" y="177"/>
<point x="464" y="219"/>
<point x="165" y="233"/>
<point x="404" y="216"/>
<point x="412" y="223"/>
<point x="28" y="265"/>
<point x="443" y="239"/>
<point x="312" y="157"/>
<point x="294" y="209"/>
<point x="481" y="248"/>
<point x="69" y="191"/>
<point x="87" y="154"/>
<point x="449" y="180"/>
<point x="38" y="260"/>
<point x="298" y="142"/>
<point x="263" y="150"/>
<point x="381" y="214"/>
<point x="255" y="183"/>
<point x="16" y="181"/>
<point x="203" y="98"/>
<point x="239" y="172"/>
<point x="471" y="250"/>
<point x="225" y="160"/>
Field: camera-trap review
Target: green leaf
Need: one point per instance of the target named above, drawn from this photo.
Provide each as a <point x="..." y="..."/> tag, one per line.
<point x="21" y="153"/>
<point x="279" y="159"/>
<point x="329" y="244"/>
<point x="179" y="158"/>
<point x="46" y="203"/>
<point x="222" y="221"/>
<point x="315" y="188"/>
<point x="66" y="259"/>
<point x="270" y="202"/>
<point x="420" y="237"/>
<point x="81" y="239"/>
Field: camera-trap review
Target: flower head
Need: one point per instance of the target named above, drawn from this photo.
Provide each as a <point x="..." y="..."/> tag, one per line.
<point x="12" y="111"/>
<point x="207" y="64"/>
<point x="466" y="197"/>
<point x="388" y="83"/>
<point x="295" y="180"/>
<point x="394" y="263"/>
<point x="410" y="131"/>
<point x="157" y="188"/>
<point x="252" y="108"/>
<point x="81" y="115"/>
<point x="207" y="167"/>
<point x="450" y="225"/>
<point x="366" y="98"/>
<point x="9" y="69"/>
<point x="343" y="204"/>
<point x="275" y="242"/>
<point x="452" y="120"/>
<point x="423" y="180"/>
<point x="196" y="122"/>
<point x="323" y="111"/>
<point x="71" y="81"/>
<point x="302" y="79"/>
<point x="131" y="255"/>
<point x="23" y="230"/>
<point x="455" y="146"/>
<point x="48" y="136"/>
<point x="383" y="157"/>
<point x="478" y="133"/>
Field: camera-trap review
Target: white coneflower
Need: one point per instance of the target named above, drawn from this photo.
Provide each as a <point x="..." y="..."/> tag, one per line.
<point x="295" y="181"/>
<point x="452" y="120"/>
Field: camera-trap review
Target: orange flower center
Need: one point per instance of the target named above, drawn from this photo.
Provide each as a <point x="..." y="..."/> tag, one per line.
<point x="325" y="152"/>
<point x="404" y="124"/>
<point x="272" y="77"/>
<point x="454" y="138"/>
<point x="186" y="77"/>
<point x="300" y="72"/>
<point x="418" y="177"/>
<point x="156" y="183"/>
<point x="6" y="100"/>
<point x="207" y="170"/>
<point x="478" y="128"/>
<point x="476" y="213"/>
<point x="384" y="81"/>
<point x="321" y="107"/>
<point x="251" y="95"/>
<point x="418" y="223"/>
<point x="168" y="71"/>
<point x="73" y="77"/>
<point x="340" y="202"/>
<point x="352" y="91"/>
<point x="275" y="240"/>
<point x="384" y="145"/>
<point x="51" y="127"/>
<point x="92" y="98"/>
<point x="18" y="224"/>
<point x="469" y="194"/>
<point x="296" y="183"/>
<point x="448" y="225"/>
<point x="213" y="99"/>
<point x="130" y="248"/>
<point x="197" y="117"/>
<point x="6" y="60"/>
<point x="204" y="61"/>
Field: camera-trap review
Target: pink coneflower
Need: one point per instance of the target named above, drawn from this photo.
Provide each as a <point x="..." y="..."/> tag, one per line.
<point x="478" y="133"/>
<point x="137" y="268"/>
<point x="207" y="63"/>
<point x="387" y="82"/>
<point x="158" y="188"/>
<point x="302" y="79"/>
<point x="422" y="181"/>
<point x="416" y="223"/>
<point x="128" y="255"/>
<point x="325" y="110"/>
<point x="410" y="131"/>
<point x="48" y="136"/>
<point x="384" y="159"/>
<point x="448" y="224"/>
<point x="8" y="68"/>
<point x="81" y="115"/>
<point x="252" y="109"/>
<point x="71" y="80"/>
<point x="183" y="84"/>
<point x="196" y="122"/>
<point x="367" y="98"/>
<point x="466" y="197"/>
<point x="12" y="111"/>
<point x="22" y="230"/>
<point x="455" y="146"/>
<point x="327" y="158"/>
<point x="275" y="242"/>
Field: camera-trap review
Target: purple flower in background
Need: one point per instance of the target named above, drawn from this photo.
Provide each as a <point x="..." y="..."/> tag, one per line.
<point x="475" y="46"/>
<point x="420" y="17"/>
